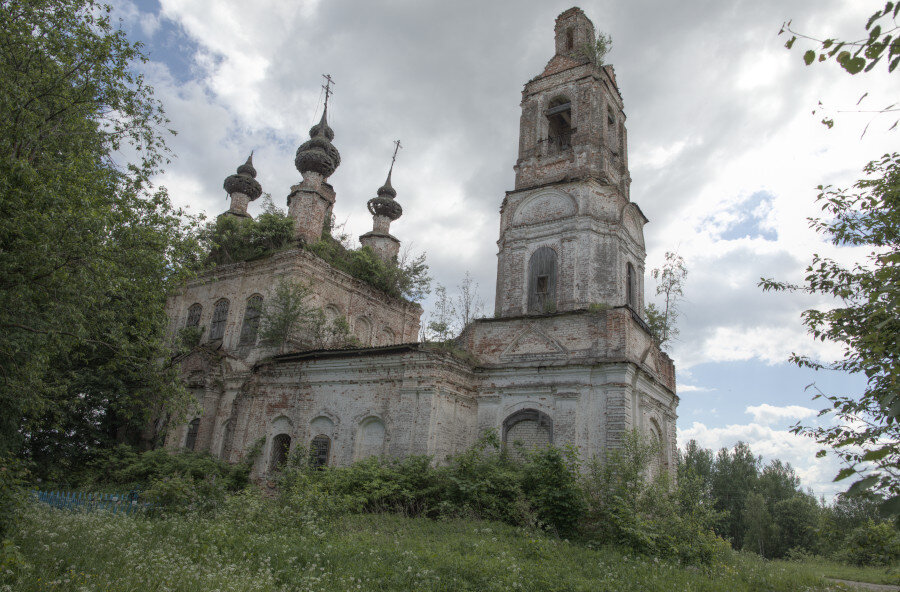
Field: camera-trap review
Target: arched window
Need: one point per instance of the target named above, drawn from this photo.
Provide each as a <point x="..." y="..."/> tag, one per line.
<point x="191" y="439"/>
<point x="528" y="428"/>
<point x="319" y="450"/>
<point x="194" y="312"/>
<point x="281" y="446"/>
<point x="630" y="286"/>
<point x="570" y="39"/>
<point x="559" y="119"/>
<point x="227" y="435"/>
<point x="251" y="321"/>
<point x="542" y="281"/>
<point x="220" y="316"/>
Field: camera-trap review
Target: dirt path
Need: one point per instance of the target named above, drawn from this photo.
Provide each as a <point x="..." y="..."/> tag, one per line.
<point x="866" y="585"/>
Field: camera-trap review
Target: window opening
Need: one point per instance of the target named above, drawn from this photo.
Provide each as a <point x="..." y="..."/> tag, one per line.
<point x="570" y="40"/>
<point x="281" y="445"/>
<point x="559" y="118"/>
<point x="191" y="440"/>
<point x="194" y="312"/>
<point x="542" y="281"/>
<point x="630" y="291"/>
<point x="220" y="315"/>
<point x="319" y="450"/>
<point x="251" y="321"/>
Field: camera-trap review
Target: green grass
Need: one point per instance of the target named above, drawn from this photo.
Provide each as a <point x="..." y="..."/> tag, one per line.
<point x="255" y="545"/>
<point x="842" y="571"/>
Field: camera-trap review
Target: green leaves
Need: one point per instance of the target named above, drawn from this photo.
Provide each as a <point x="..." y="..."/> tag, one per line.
<point x="864" y="322"/>
<point x="809" y="57"/>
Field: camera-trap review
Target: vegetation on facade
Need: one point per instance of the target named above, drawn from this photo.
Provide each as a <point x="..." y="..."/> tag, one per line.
<point x="663" y="319"/>
<point x="405" y="278"/>
<point x="233" y="238"/>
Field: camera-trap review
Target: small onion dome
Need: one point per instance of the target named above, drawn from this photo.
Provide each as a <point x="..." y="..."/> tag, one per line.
<point x="244" y="181"/>
<point x="384" y="204"/>
<point x="317" y="154"/>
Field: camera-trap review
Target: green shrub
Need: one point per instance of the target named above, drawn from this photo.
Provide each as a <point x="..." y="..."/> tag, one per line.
<point x="625" y="507"/>
<point x="550" y="482"/>
<point x="177" y="494"/>
<point x="123" y="466"/>
<point x="232" y="239"/>
<point x="872" y="544"/>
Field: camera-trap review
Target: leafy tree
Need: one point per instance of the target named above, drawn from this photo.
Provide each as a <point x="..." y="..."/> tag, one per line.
<point x="865" y="322"/>
<point x="468" y="303"/>
<point x="670" y="285"/>
<point x="441" y="327"/>
<point x="87" y="252"/>
<point x="757" y="523"/>
<point x="231" y="238"/>
<point x="597" y="50"/>
<point x="734" y="477"/>
<point x="861" y="54"/>
<point x="286" y="314"/>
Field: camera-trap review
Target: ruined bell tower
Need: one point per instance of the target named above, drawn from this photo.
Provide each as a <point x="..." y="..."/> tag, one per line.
<point x="570" y="237"/>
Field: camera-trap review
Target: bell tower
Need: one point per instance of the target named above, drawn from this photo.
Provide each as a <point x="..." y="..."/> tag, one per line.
<point x="570" y="237"/>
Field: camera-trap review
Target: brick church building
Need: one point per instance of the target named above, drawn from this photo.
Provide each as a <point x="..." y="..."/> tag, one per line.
<point x="566" y="359"/>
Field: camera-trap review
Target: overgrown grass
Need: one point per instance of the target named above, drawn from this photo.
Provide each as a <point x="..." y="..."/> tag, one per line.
<point x="842" y="571"/>
<point x="255" y="544"/>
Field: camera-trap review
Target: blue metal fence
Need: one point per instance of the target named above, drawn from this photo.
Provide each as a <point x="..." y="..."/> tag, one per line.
<point x="117" y="503"/>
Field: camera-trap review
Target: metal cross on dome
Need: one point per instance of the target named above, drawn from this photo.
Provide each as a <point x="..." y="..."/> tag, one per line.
<point x="327" y="86"/>
<point x="397" y="147"/>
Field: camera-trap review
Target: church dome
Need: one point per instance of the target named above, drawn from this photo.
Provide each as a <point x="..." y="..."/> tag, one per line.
<point x="384" y="204"/>
<point x="244" y="181"/>
<point x="318" y="154"/>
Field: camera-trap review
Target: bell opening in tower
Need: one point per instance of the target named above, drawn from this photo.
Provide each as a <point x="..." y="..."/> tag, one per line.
<point x="559" y="119"/>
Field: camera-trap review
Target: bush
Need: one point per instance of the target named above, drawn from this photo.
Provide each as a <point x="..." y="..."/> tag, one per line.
<point x="123" y="466"/>
<point x="232" y="239"/>
<point x="625" y="507"/>
<point x="872" y="544"/>
<point x="179" y="495"/>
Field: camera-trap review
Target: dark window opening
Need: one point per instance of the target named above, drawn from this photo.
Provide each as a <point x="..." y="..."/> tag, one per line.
<point x="194" y="312"/>
<point x="559" y="118"/>
<point x="191" y="440"/>
<point x="630" y="289"/>
<point x="220" y="316"/>
<point x="570" y="40"/>
<point x="281" y="445"/>
<point x="542" y="281"/>
<point x="319" y="450"/>
<point x="251" y="321"/>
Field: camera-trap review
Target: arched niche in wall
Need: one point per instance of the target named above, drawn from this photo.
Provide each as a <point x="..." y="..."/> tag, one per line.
<point x="527" y="428"/>
<point x="660" y="463"/>
<point x="387" y="337"/>
<point x="370" y="438"/>
<point x="362" y="329"/>
<point x="544" y="206"/>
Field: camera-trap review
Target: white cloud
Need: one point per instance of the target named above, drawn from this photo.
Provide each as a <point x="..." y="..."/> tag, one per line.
<point x="690" y="388"/>
<point x="768" y="414"/>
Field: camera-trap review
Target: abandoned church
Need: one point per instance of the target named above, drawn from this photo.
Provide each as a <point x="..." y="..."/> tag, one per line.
<point x="566" y="358"/>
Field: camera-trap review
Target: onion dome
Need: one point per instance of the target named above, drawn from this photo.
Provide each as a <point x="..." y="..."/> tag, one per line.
<point x="244" y="181"/>
<point x="317" y="154"/>
<point x="384" y="204"/>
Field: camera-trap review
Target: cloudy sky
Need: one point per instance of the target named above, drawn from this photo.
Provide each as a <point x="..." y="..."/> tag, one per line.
<point x="724" y="149"/>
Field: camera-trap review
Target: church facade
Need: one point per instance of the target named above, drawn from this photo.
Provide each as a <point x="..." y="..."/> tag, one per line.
<point x="566" y="359"/>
